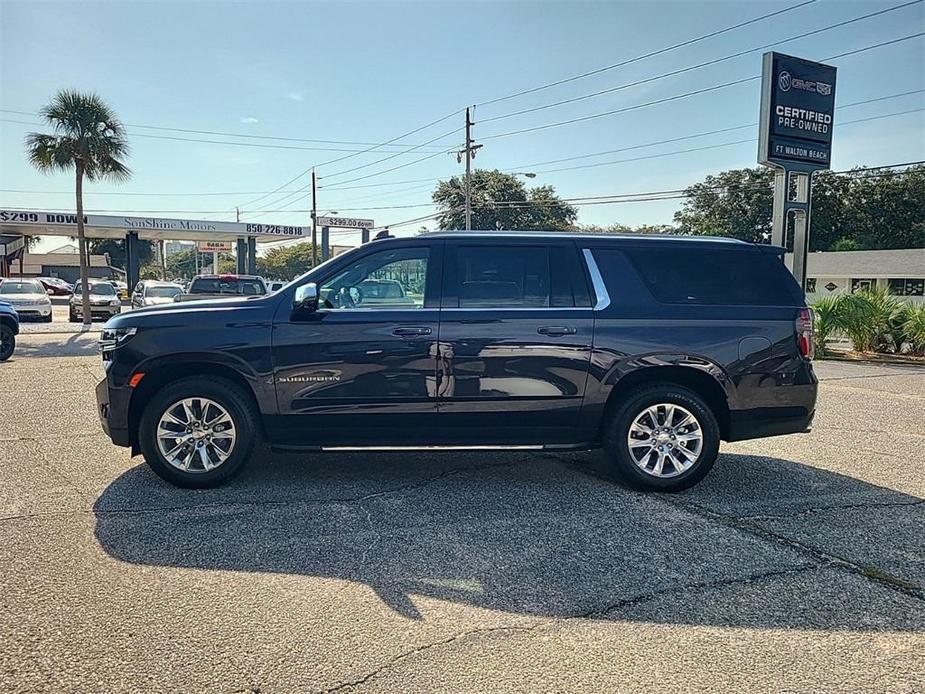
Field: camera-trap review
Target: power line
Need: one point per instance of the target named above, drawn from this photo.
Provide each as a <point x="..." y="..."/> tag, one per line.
<point x="860" y="173"/>
<point x="685" y="95"/>
<point x="653" y="196"/>
<point x="226" y="134"/>
<point x="593" y="165"/>
<point x="651" y="54"/>
<point x="212" y="142"/>
<point x="332" y="161"/>
<point x="698" y="66"/>
<point x="722" y="144"/>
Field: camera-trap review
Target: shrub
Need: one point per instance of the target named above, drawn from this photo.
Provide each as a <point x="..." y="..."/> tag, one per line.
<point x="874" y="321"/>
<point x="914" y="327"/>
<point x="828" y="311"/>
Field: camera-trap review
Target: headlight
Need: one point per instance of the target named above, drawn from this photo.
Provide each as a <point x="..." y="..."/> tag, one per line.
<point x="114" y="302"/>
<point x="114" y="338"/>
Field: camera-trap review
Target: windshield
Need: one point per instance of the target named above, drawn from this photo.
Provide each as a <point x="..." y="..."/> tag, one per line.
<point x="163" y="291"/>
<point x="227" y="285"/>
<point x="18" y="287"/>
<point x="100" y="289"/>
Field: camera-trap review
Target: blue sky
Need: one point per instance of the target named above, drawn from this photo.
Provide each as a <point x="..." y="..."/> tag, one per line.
<point x="367" y="72"/>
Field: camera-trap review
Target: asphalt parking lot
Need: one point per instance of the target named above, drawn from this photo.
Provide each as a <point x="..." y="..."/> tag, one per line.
<point x="797" y="565"/>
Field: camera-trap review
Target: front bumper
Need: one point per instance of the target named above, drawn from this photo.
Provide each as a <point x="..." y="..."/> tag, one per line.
<point x="33" y="311"/>
<point x="106" y="311"/>
<point x="112" y="408"/>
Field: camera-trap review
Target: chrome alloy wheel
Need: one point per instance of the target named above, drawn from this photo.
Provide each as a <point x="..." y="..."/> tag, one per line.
<point x="665" y="440"/>
<point x="195" y="435"/>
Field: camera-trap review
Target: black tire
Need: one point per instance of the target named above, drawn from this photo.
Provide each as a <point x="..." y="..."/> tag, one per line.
<point x="48" y="318"/>
<point x="71" y="316"/>
<point x="223" y="392"/>
<point x="622" y="465"/>
<point x="7" y="342"/>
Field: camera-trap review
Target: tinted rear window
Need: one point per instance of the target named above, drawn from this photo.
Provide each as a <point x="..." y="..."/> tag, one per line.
<point x="247" y="287"/>
<point x="712" y="276"/>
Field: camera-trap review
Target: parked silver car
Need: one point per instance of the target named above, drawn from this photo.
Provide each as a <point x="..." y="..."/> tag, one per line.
<point x="154" y="292"/>
<point x="104" y="301"/>
<point x="28" y="297"/>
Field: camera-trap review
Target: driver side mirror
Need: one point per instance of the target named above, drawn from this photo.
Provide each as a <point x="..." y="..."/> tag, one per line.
<point x="306" y="298"/>
<point x="50" y="292"/>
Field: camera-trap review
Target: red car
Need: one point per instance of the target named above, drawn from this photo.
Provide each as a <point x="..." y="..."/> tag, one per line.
<point x="55" y="286"/>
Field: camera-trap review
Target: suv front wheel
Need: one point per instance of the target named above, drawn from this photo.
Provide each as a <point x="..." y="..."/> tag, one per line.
<point x="198" y="432"/>
<point x="662" y="438"/>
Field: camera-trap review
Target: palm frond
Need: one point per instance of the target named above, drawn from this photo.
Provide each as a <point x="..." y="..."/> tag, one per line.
<point x="86" y="130"/>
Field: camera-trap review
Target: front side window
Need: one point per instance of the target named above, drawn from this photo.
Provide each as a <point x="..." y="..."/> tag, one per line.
<point x="388" y="280"/>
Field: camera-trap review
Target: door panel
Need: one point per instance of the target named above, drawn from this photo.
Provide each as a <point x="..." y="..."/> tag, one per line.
<point x="362" y="368"/>
<point x="510" y="362"/>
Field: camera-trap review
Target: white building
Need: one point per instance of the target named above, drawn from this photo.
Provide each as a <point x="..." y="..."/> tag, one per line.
<point x="901" y="271"/>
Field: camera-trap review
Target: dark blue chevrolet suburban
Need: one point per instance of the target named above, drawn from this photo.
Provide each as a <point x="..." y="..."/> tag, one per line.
<point x="654" y="348"/>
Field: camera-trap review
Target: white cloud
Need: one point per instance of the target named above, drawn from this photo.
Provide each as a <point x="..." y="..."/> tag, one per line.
<point x="295" y="96"/>
<point x="250" y="120"/>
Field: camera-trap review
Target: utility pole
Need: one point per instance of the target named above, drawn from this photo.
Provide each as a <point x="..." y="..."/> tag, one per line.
<point x="469" y="152"/>
<point x="314" y="228"/>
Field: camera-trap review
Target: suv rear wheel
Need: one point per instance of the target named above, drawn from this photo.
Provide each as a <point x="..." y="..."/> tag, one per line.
<point x="198" y="432"/>
<point x="662" y="438"/>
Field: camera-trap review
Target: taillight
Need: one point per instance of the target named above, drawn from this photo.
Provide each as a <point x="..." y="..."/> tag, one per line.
<point x="803" y="326"/>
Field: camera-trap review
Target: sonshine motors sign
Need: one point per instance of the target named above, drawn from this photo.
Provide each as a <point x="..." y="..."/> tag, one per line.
<point x="797" y="111"/>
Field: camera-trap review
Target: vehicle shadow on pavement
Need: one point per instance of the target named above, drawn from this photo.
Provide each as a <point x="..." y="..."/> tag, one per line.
<point x="538" y="535"/>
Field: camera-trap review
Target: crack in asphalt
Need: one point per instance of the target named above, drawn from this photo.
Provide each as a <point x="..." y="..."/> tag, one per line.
<point x="833" y="507"/>
<point x="745" y="525"/>
<point x="599" y="612"/>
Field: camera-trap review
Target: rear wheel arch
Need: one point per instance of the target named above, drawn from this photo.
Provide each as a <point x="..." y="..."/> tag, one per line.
<point x="155" y="379"/>
<point x="700" y="382"/>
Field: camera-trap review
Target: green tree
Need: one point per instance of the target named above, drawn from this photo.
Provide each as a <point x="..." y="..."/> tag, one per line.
<point x="734" y="203"/>
<point x="116" y="250"/>
<point x="501" y="201"/>
<point x="88" y="139"/>
<point x="182" y="264"/>
<point x="855" y="210"/>
<point x="286" y="262"/>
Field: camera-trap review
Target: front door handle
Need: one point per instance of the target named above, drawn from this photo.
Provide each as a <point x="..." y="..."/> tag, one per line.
<point x="411" y="332"/>
<point x="556" y="330"/>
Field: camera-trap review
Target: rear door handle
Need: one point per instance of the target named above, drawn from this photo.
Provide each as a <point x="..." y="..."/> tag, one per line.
<point x="556" y="330"/>
<point x="411" y="332"/>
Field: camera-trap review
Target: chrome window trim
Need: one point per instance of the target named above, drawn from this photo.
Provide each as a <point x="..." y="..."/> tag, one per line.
<point x="511" y="309"/>
<point x="600" y="289"/>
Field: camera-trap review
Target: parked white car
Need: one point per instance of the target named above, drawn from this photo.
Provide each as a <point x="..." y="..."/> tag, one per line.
<point x="28" y="297"/>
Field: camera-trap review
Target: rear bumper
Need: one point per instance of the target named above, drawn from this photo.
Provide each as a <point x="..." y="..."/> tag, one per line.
<point x="769" y="421"/>
<point x="112" y="408"/>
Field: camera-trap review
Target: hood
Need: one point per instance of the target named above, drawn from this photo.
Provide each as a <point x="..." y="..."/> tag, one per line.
<point x="180" y="313"/>
<point x="157" y="300"/>
<point x="20" y="299"/>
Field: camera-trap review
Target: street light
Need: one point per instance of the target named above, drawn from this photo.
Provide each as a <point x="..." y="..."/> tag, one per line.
<point x="528" y="174"/>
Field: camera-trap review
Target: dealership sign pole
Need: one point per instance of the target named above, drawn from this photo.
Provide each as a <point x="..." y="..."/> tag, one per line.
<point x="795" y="138"/>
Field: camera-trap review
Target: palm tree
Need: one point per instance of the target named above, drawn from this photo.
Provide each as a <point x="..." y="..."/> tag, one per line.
<point x="88" y="138"/>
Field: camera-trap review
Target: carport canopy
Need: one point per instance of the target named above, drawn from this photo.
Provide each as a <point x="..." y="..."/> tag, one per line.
<point x="132" y="228"/>
<point x="38" y="223"/>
